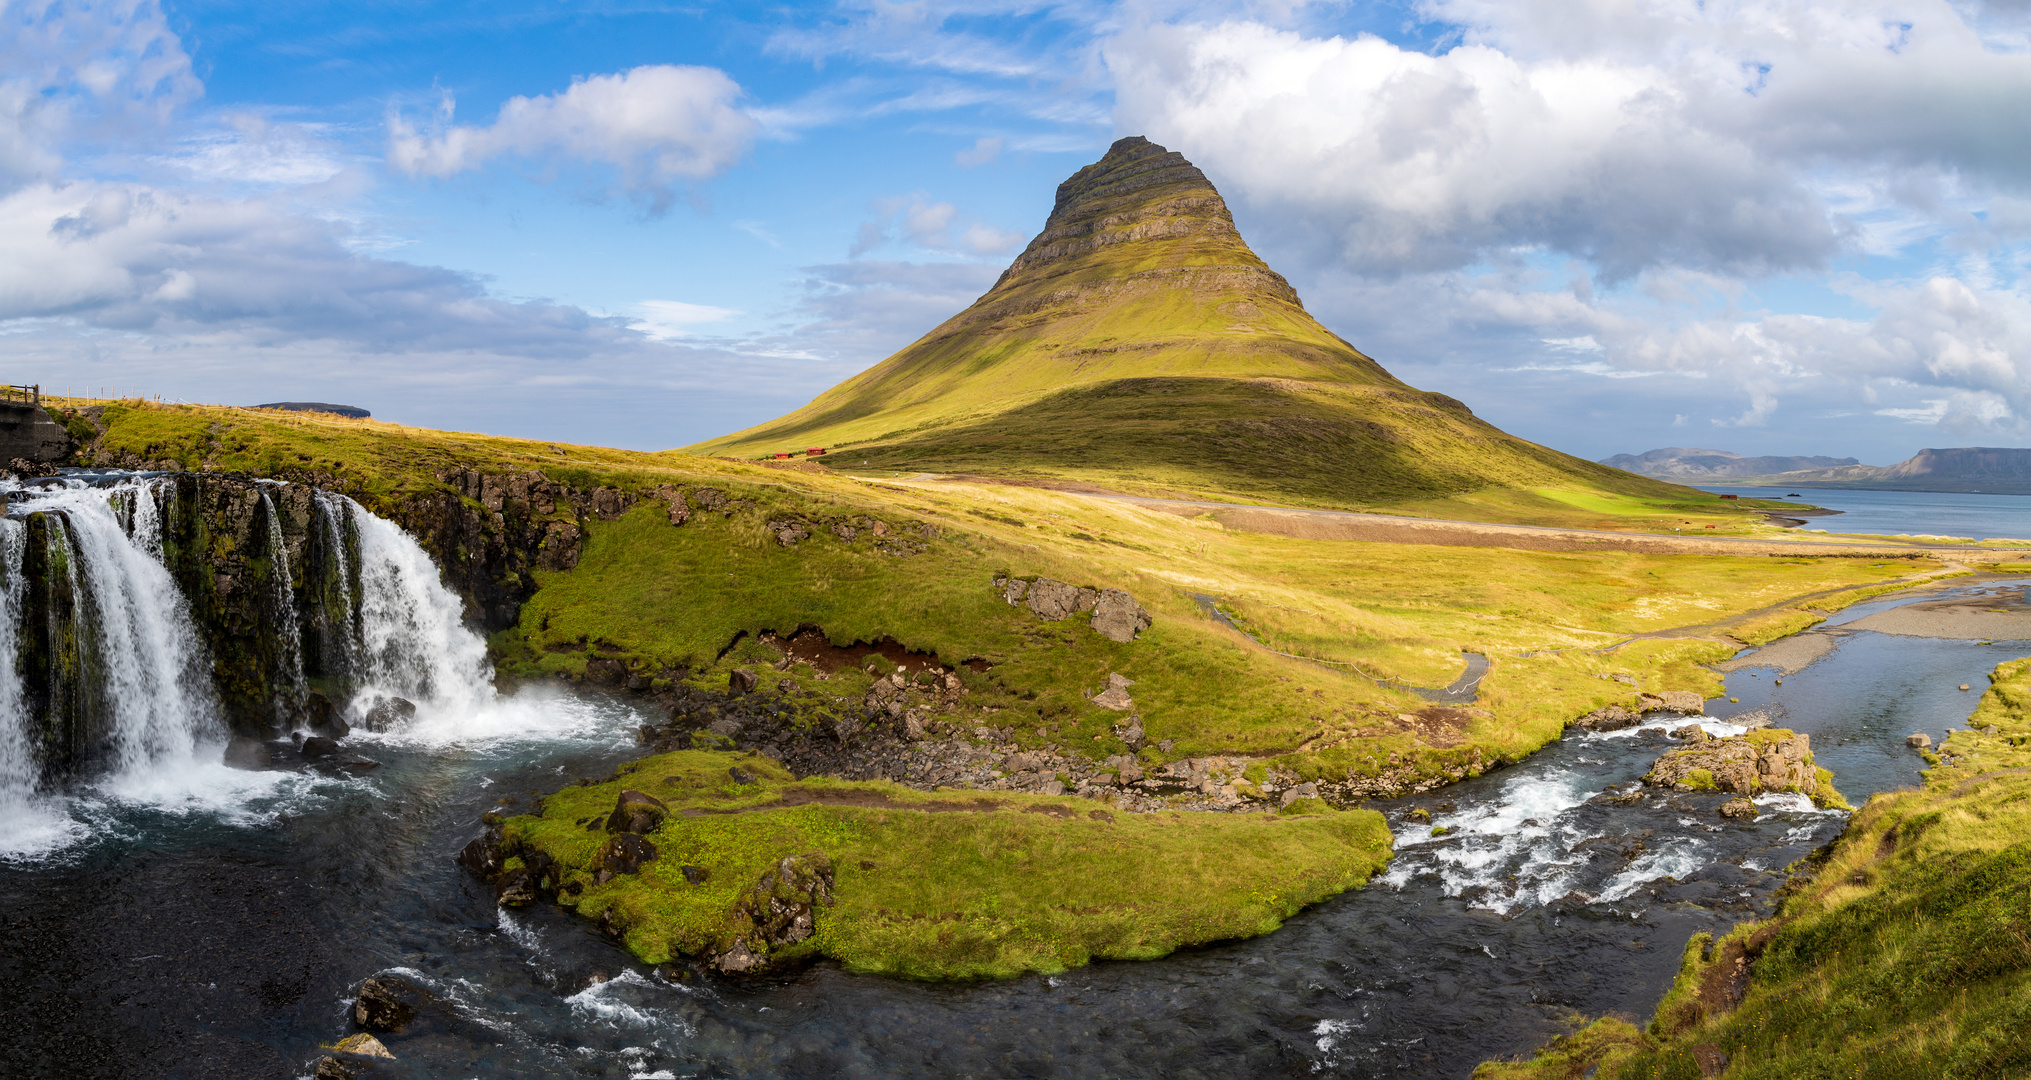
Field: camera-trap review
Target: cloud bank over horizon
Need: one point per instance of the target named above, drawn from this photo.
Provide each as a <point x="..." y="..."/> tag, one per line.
<point x="1766" y="225"/>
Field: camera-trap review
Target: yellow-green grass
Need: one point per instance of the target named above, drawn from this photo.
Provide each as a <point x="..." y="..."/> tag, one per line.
<point x="657" y="597"/>
<point x="1902" y="952"/>
<point x="951" y="885"/>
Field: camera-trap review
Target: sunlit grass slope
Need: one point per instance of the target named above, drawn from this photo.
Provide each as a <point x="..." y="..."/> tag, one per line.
<point x="1905" y="953"/>
<point x="1373" y="616"/>
<point x="1138" y="342"/>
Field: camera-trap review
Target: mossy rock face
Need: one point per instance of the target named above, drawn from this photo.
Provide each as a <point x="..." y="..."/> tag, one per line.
<point x="926" y="885"/>
<point x="1767" y="759"/>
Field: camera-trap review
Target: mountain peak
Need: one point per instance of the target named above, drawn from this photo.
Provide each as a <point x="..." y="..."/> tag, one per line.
<point x="1138" y="342"/>
<point x="1139" y="194"/>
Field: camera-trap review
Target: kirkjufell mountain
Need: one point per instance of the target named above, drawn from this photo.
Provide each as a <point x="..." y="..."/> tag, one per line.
<point x="1138" y="343"/>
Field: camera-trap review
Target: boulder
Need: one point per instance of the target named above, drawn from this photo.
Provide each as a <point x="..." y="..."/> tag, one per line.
<point x="388" y="713"/>
<point x="741" y="681"/>
<point x="1012" y="590"/>
<point x="484" y="856"/>
<point x="1306" y="790"/>
<point x="636" y="812"/>
<point x="1053" y="600"/>
<point x="1608" y="718"/>
<point x="679" y="513"/>
<point x="1920" y="741"/>
<point x="1770" y="760"/>
<point x="362" y="1044"/>
<point x="388" y="1003"/>
<point x="1678" y="701"/>
<point x="1738" y="808"/>
<point x="695" y="875"/>
<point x="318" y="715"/>
<point x="1117" y="617"/>
<point x="1133" y="733"/>
<point x="625" y="853"/>
<point x="1690" y="733"/>
<point x="318" y="746"/>
<point x="515" y="888"/>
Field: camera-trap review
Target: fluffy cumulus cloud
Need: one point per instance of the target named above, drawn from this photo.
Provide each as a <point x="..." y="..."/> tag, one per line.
<point x="656" y="125"/>
<point x="83" y="70"/>
<point x="1654" y="143"/>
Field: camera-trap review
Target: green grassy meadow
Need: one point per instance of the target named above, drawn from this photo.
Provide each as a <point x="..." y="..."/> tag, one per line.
<point x="951" y="885"/>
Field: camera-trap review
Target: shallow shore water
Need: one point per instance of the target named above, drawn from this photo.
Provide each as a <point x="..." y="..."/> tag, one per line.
<point x="216" y="926"/>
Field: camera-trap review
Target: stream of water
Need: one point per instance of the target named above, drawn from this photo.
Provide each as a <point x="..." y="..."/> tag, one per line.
<point x="170" y="916"/>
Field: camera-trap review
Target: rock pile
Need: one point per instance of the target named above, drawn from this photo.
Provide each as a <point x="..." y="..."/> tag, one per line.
<point x="780" y="908"/>
<point x="1771" y="759"/>
<point x="1116" y="615"/>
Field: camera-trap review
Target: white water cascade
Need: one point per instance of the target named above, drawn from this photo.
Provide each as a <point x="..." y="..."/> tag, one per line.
<point x="121" y="700"/>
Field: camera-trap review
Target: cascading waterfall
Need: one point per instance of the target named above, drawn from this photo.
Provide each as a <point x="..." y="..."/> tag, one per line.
<point x="292" y="689"/>
<point x="105" y="671"/>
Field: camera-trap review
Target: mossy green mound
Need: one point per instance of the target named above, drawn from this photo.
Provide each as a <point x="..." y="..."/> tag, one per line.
<point x="944" y="885"/>
<point x="1904" y="951"/>
<point x="1138" y="342"/>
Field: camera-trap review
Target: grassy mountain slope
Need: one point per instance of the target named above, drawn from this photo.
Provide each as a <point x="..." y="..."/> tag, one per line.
<point x="1138" y="342"/>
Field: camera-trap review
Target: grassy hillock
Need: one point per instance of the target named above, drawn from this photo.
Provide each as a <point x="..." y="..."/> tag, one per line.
<point x="1904" y="951"/>
<point x="1138" y="343"/>
<point x="934" y="886"/>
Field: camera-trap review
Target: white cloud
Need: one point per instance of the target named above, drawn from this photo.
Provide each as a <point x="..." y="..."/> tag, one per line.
<point x="665" y="319"/>
<point x="657" y="125"/>
<point x="78" y="70"/>
<point x="929" y="226"/>
<point x="983" y="151"/>
<point x="1634" y="135"/>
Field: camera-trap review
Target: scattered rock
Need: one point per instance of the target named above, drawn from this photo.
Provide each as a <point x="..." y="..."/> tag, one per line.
<point x="246" y="753"/>
<point x="1963" y="686"/>
<point x="1738" y="808"/>
<point x="389" y="713"/>
<point x="782" y="908"/>
<point x="1919" y="741"/>
<point x="1608" y="718"/>
<point x="319" y="716"/>
<point x="1116" y="695"/>
<point x="679" y="512"/>
<point x="740" y="775"/>
<point x="637" y="812"/>
<point x="388" y="1003"/>
<point x="1132" y="735"/>
<point x="318" y="746"/>
<point x="741" y="681"/>
<point x="364" y="1045"/>
<point x="1306" y="790"/>
<point x="1117" y="617"/>
<point x="625" y="853"/>
<point x="696" y="875"/>
<point x="1690" y="733"/>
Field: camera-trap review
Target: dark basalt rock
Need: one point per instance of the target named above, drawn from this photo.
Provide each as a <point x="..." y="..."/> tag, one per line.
<point x="742" y="681"/>
<point x="484" y="856"/>
<point x="515" y="888"/>
<point x="389" y="1003"/>
<point x="626" y="853"/>
<point x="318" y="746"/>
<point x="636" y="812"/>
<point x="389" y="713"/>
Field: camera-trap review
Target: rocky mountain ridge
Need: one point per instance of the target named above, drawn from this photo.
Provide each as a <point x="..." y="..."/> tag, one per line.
<point x="1987" y="469"/>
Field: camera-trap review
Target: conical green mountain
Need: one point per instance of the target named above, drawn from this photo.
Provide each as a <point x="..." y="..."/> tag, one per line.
<point x="1138" y="342"/>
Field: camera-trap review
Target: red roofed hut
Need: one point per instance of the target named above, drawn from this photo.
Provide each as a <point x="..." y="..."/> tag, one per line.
<point x="814" y="451"/>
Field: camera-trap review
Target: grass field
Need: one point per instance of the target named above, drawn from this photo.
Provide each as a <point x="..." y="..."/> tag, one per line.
<point x="949" y="885"/>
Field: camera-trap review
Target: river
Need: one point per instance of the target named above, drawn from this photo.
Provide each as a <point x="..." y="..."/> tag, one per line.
<point x="177" y="918"/>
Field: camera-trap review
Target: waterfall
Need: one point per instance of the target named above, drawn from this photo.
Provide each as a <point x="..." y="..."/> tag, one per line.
<point x="290" y="696"/>
<point x="106" y="674"/>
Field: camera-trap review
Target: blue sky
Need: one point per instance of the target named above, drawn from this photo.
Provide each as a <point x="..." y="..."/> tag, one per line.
<point x="1771" y="226"/>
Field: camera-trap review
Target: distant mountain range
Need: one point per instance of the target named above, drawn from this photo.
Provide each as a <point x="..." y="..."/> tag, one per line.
<point x="1999" y="470"/>
<point x="1682" y="464"/>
